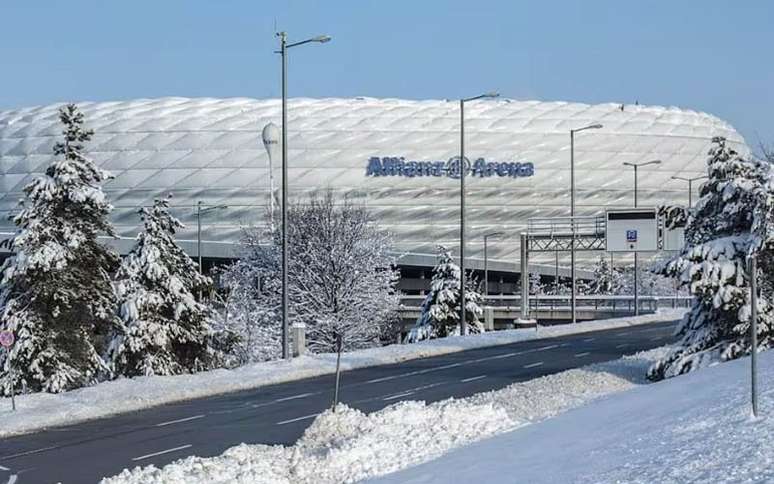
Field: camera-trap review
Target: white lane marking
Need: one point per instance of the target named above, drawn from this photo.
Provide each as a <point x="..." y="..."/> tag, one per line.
<point x="417" y="372"/>
<point x="12" y="479"/>
<point x="533" y="365"/>
<point x="294" y="397"/>
<point x="4" y="468"/>
<point x="466" y="380"/>
<point x="656" y="338"/>
<point x="624" y="333"/>
<point x="589" y="340"/>
<point x="581" y="355"/>
<point x="564" y="345"/>
<point x="385" y="378"/>
<point x="29" y="452"/>
<point x="397" y="395"/>
<point x="623" y="345"/>
<point x="549" y="347"/>
<point x="170" y="422"/>
<point x="297" y="419"/>
<point x="174" y="449"/>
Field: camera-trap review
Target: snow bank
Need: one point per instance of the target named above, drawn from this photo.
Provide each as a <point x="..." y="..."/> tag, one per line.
<point x="691" y="428"/>
<point x="348" y="446"/>
<point x="42" y="410"/>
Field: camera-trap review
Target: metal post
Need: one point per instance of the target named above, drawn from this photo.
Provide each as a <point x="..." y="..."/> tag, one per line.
<point x="572" y="224"/>
<point x="285" y="324"/>
<point x="690" y="193"/>
<point x="524" y="277"/>
<point x="199" y="234"/>
<point x="486" y="272"/>
<point x="463" y="320"/>
<point x="636" y="258"/>
<point x="754" y="335"/>
<point x="556" y="272"/>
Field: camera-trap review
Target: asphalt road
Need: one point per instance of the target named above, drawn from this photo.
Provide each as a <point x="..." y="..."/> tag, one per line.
<point x="278" y="414"/>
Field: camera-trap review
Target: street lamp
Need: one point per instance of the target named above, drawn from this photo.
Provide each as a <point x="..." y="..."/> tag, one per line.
<point x="199" y="212"/>
<point x="572" y="212"/>
<point x="284" y="46"/>
<point x="463" y="321"/>
<point x="636" y="258"/>
<point x="690" y="186"/>
<point x="486" y="266"/>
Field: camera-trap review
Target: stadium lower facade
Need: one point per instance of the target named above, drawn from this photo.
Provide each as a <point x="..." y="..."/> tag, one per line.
<point x="399" y="157"/>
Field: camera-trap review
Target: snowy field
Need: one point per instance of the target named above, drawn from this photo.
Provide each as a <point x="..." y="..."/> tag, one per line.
<point x="43" y="410"/>
<point x="349" y="446"/>
<point x="693" y="428"/>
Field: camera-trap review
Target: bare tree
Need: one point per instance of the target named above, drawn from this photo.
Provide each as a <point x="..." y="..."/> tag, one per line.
<point x="342" y="277"/>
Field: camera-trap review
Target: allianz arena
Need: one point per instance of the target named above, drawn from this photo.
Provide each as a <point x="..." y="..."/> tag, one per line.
<point x="390" y="153"/>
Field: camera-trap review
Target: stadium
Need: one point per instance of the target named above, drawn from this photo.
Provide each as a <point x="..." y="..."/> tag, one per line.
<point x="396" y="156"/>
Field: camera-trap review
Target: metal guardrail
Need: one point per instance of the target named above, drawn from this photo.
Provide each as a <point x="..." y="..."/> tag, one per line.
<point x="562" y="302"/>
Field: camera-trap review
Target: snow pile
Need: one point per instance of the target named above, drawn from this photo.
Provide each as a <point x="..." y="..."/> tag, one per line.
<point x="349" y="446"/>
<point x="38" y="411"/>
<point x="692" y="428"/>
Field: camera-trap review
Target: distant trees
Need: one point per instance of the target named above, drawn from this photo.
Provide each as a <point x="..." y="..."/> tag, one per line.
<point x="163" y="329"/>
<point x="56" y="294"/>
<point x="732" y="220"/>
<point x="440" y="313"/>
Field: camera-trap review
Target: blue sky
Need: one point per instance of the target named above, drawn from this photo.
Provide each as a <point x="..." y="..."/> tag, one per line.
<point x="708" y="55"/>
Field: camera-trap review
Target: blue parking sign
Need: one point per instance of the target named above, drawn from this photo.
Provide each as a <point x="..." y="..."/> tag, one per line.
<point x="631" y="236"/>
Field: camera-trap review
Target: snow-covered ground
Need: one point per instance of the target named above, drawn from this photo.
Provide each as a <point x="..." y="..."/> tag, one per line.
<point x="349" y="446"/>
<point x="692" y="428"/>
<point x="43" y="410"/>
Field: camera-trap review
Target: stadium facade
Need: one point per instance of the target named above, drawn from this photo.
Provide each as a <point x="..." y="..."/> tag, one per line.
<point x="397" y="156"/>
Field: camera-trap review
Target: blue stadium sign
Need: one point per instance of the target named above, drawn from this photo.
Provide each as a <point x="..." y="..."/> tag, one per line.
<point x="398" y="166"/>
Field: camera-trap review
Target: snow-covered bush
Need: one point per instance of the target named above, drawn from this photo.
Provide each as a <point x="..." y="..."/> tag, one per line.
<point x="251" y="305"/>
<point x="731" y="220"/>
<point x="440" y="314"/>
<point x="163" y="329"/>
<point x="56" y="294"/>
<point x="342" y="279"/>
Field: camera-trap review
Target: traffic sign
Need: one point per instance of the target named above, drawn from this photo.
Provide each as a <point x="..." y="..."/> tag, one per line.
<point x="6" y="339"/>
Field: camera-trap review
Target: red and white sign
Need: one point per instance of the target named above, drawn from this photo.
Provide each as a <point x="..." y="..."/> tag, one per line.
<point x="6" y="339"/>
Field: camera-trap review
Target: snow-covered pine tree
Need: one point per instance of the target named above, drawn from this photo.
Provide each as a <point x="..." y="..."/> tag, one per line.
<point x="535" y="286"/>
<point x="603" y="277"/>
<point x="164" y="330"/>
<point x="718" y="238"/>
<point x="56" y="295"/>
<point x="440" y="314"/>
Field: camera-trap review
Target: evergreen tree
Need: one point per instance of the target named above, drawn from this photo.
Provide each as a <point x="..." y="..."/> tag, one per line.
<point x="440" y="316"/>
<point x="164" y="330"/>
<point x="728" y="223"/>
<point x="56" y="294"/>
<point x="604" y="279"/>
<point x="535" y="286"/>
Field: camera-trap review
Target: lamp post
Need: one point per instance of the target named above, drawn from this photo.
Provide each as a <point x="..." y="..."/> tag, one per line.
<point x="572" y="213"/>
<point x="462" y="167"/>
<point x="284" y="46"/>
<point x="636" y="258"/>
<point x="690" y="186"/>
<point x="486" y="264"/>
<point x="199" y="212"/>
